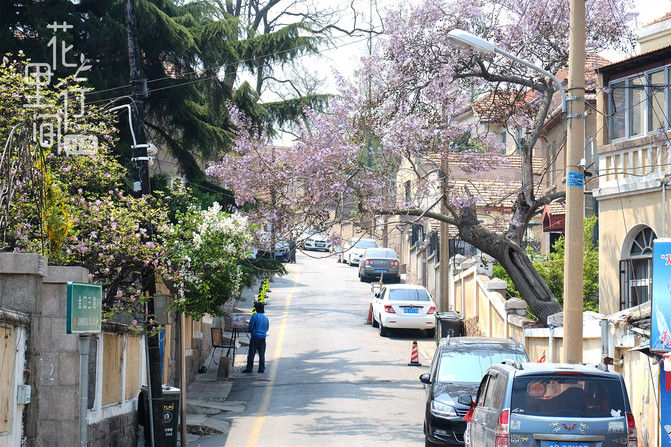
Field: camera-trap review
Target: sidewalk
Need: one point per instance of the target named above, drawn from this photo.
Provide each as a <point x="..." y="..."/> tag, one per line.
<point x="207" y="404"/>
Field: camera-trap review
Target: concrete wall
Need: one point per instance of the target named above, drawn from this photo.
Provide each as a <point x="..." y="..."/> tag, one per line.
<point x="30" y="287"/>
<point x="630" y="212"/>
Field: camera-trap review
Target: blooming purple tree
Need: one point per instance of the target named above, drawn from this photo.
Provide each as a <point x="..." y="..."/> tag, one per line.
<point x="412" y="91"/>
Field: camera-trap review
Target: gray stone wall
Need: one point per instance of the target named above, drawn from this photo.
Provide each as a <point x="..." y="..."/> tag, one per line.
<point x="29" y="285"/>
<point x="117" y="431"/>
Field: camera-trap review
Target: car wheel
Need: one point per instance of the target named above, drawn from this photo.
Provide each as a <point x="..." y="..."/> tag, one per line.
<point x="383" y="330"/>
<point x="430" y="333"/>
<point x="374" y="322"/>
<point x="362" y="278"/>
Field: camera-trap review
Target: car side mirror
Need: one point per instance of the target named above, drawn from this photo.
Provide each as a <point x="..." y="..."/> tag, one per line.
<point x="465" y="399"/>
<point x="425" y="378"/>
<point x="377" y="295"/>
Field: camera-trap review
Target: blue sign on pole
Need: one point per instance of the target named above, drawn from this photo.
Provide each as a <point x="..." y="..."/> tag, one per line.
<point x="660" y="334"/>
<point x="575" y="178"/>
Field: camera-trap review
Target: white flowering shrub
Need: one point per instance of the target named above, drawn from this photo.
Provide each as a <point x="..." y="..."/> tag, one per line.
<point x="206" y="248"/>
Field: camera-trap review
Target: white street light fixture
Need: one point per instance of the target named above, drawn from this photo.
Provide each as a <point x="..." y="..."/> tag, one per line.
<point x="465" y="40"/>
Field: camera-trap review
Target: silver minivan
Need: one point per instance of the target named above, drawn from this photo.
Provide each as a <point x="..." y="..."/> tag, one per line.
<point x="550" y="405"/>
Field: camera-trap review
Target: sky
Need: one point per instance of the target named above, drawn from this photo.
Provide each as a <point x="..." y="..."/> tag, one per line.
<point x="650" y="10"/>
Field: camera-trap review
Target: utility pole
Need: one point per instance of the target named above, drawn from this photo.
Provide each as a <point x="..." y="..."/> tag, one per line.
<point x="444" y="249"/>
<point x="139" y="92"/>
<point x="575" y="179"/>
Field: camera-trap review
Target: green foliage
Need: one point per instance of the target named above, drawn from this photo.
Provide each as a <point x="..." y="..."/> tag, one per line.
<point x="552" y="269"/>
<point x="193" y="56"/>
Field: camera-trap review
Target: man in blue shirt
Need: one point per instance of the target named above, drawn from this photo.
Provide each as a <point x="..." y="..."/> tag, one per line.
<point x="258" y="326"/>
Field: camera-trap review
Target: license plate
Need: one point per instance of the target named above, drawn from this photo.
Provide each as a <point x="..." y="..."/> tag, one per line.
<point x="381" y="271"/>
<point x="412" y="310"/>
<point x="320" y="245"/>
<point x="568" y="444"/>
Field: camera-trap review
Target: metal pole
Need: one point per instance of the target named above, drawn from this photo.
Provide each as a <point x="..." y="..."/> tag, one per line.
<point x="604" y="340"/>
<point x="84" y="343"/>
<point x="139" y="92"/>
<point x="182" y="377"/>
<point x="444" y="249"/>
<point x="575" y="151"/>
<point x="150" y="396"/>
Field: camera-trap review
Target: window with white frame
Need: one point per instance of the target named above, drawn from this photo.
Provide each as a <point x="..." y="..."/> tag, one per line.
<point x="638" y="104"/>
<point x="636" y="270"/>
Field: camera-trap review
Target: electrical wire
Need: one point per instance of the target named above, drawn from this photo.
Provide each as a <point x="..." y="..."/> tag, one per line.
<point x="214" y="76"/>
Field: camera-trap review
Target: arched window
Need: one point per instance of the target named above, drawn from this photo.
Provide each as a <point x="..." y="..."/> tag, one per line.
<point x="636" y="269"/>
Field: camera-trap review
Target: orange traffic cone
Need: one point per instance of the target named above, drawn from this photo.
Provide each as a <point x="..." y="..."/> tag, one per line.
<point x="369" y="320"/>
<point x="414" y="357"/>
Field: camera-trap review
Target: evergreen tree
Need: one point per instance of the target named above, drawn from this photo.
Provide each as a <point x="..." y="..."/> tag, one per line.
<point x="193" y="57"/>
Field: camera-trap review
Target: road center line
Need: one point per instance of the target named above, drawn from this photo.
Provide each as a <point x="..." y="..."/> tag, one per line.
<point x="255" y="432"/>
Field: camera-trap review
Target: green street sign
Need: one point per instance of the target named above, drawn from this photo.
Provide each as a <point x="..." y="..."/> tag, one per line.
<point x="84" y="313"/>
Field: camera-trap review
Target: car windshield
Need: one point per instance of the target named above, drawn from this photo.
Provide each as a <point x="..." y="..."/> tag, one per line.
<point x="471" y="365"/>
<point x="380" y="253"/>
<point x="365" y="244"/>
<point x="409" y="295"/>
<point x="567" y="395"/>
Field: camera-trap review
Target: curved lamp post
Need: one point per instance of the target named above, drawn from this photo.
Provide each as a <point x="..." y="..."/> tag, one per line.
<point x="467" y="41"/>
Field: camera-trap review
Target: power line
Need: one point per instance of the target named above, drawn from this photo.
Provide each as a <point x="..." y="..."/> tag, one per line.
<point x="205" y="70"/>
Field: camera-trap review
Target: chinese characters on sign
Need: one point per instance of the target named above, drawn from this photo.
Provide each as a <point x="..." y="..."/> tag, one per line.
<point x="84" y="311"/>
<point x="55" y="124"/>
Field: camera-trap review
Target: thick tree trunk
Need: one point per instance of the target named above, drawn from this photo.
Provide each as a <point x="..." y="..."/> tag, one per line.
<point x="515" y="261"/>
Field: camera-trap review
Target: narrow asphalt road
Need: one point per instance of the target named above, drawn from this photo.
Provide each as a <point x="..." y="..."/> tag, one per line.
<point x="330" y="379"/>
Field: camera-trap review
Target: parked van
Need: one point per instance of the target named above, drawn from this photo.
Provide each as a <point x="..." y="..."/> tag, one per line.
<point x="550" y="405"/>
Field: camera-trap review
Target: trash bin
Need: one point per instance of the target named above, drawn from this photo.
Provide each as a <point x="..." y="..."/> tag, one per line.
<point x="448" y="323"/>
<point x="170" y="414"/>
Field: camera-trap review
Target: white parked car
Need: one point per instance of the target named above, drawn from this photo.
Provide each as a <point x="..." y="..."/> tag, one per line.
<point x="354" y="248"/>
<point x="317" y="241"/>
<point x="404" y="306"/>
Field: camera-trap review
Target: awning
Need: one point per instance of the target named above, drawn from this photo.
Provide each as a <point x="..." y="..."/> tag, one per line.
<point x="553" y="217"/>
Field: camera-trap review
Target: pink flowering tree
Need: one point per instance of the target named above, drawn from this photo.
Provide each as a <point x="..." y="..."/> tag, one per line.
<point x="404" y="108"/>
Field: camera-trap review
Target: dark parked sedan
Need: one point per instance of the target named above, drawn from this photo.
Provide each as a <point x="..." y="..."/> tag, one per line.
<point x="379" y="263"/>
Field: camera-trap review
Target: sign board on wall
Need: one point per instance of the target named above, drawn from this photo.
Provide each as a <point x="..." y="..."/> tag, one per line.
<point x="660" y="332"/>
<point x="84" y="312"/>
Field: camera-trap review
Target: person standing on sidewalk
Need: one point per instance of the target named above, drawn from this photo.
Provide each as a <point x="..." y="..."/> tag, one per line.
<point x="258" y="326"/>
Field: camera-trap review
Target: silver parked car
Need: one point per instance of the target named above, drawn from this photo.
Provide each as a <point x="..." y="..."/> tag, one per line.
<point x="550" y="405"/>
<point x="379" y="263"/>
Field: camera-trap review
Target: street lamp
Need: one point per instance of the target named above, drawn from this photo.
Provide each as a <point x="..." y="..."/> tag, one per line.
<point x="467" y="41"/>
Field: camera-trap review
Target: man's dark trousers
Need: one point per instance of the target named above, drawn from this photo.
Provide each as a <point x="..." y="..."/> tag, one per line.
<point x="256" y="345"/>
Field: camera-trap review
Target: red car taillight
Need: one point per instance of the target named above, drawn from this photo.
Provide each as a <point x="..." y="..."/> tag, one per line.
<point x="394" y="263"/>
<point x="501" y="439"/>
<point x="368" y="262"/>
<point x="632" y="440"/>
<point x="431" y="310"/>
<point x="389" y="310"/>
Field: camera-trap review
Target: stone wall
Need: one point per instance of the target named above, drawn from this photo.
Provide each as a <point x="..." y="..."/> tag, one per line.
<point x="28" y="285"/>
<point x="114" y="431"/>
